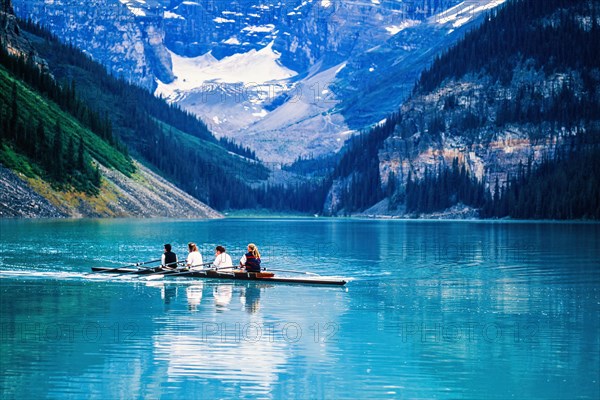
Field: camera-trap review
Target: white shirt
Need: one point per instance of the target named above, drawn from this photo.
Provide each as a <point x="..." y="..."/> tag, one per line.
<point x="223" y="261"/>
<point x="194" y="259"/>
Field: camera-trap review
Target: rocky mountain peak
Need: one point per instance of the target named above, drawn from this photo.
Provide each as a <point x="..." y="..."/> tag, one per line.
<point x="258" y="70"/>
<point x="13" y="41"/>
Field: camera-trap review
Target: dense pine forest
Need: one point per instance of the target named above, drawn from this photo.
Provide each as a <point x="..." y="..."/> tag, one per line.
<point x="441" y="189"/>
<point x="518" y="38"/>
<point x="359" y="162"/>
<point x="555" y="44"/>
<point x="566" y="187"/>
<point x="38" y="140"/>
<point x="522" y="31"/>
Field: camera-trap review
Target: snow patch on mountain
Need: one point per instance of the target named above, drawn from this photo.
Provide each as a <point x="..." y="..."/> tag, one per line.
<point x="131" y="5"/>
<point x="232" y="40"/>
<point x="464" y="12"/>
<point x="220" y="20"/>
<point x="169" y="14"/>
<point x="312" y="128"/>
<point x="262" y="28"/>
<point x="393" y="29"/>
<point x="250" y="68"/>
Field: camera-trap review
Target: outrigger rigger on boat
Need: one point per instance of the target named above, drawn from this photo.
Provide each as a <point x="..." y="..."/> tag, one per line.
<point x="223" y="274"/>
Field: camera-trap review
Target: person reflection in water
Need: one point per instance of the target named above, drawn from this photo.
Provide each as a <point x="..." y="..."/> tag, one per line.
<point x="251" y="298"/>
<point x="194" y="296"/>
<point x="168" y="292"/>
<point x="222" y="295"/>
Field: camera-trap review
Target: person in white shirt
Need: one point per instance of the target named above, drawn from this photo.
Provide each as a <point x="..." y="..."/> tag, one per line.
<point x="194" y="258"/>
<point x="222" y="259"/>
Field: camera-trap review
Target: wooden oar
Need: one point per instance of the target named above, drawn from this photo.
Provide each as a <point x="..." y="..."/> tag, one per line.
<point x="291" y="271"/>
<point x="127" y="266"/>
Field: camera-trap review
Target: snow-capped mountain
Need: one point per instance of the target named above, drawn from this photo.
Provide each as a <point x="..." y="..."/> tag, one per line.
<point x="285" y="78"/>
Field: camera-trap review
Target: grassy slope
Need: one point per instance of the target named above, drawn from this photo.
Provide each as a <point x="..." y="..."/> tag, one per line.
<point x="34" y="107"/>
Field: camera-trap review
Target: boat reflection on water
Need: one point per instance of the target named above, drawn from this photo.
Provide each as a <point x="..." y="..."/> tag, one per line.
<point x="250" y="298"/>
<point x="222" y="295"/>
<point x="194" y="295"/>
<point x="168" y="292"/>
<point x="246" y="337"/>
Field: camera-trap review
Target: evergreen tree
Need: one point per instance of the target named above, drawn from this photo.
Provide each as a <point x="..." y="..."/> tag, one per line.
<point x="12" y="129"/>
<point x="70" y="162"/>
<point x="57" y="164"/>
<point x="80" y="155"/>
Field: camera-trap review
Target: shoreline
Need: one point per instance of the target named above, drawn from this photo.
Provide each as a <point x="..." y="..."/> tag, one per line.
<point x="300" y="217"/>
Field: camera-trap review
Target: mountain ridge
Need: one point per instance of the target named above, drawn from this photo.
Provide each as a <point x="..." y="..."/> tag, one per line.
<point x="504" y="103"/>
<point x="51" y="175"/>
<point x="306" y="38"/>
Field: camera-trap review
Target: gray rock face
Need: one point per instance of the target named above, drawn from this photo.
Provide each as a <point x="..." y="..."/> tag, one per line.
<point x="146" y="196"/>
<point x="14" y="42"/>
<point x="130" y="46"/>
<point x="17" y="199"/>
<point x="433" y="133"/>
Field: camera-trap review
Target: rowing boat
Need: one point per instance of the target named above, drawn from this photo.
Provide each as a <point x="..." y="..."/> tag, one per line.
<point x="237" y="275"/>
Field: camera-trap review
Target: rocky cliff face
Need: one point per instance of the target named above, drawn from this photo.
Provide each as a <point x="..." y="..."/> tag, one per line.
<point x="17" y="199"/>
<point x="499" y="115"/>
<point x="435" y="131"/>
<point x="496" y="123"/>
<point x="130" y="45"/>
<point x="13" y="41"/>
<point x="310" y="71"/>
<point x="375" y="82"/>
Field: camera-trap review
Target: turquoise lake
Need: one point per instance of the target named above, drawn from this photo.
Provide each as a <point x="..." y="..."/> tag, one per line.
<point x="433" y="309"/>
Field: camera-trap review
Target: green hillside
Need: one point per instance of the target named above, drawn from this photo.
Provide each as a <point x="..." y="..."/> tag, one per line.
<point x="40" y="139"/>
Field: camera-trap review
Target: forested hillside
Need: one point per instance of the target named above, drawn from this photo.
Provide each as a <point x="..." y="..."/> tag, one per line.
<point x="125" y="118"/>
<point x="59" y="156"/>
<point x="55" y="140"/>
<point x="512" y="111"/>
<point x="173" y="141"/>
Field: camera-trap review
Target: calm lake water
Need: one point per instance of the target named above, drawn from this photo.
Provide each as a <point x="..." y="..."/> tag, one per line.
<point x="469" y="310"/>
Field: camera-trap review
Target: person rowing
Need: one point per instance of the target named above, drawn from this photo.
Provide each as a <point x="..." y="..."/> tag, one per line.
<point x="222" y="259"/>
<point x="168" y="259"/>
<point x="251" y="260"/>
<point x="194" y="258"/>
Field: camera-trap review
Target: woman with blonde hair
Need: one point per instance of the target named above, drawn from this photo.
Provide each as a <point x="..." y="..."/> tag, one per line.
<point x="251" y="260"/>
<point x="194" y="258"/>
